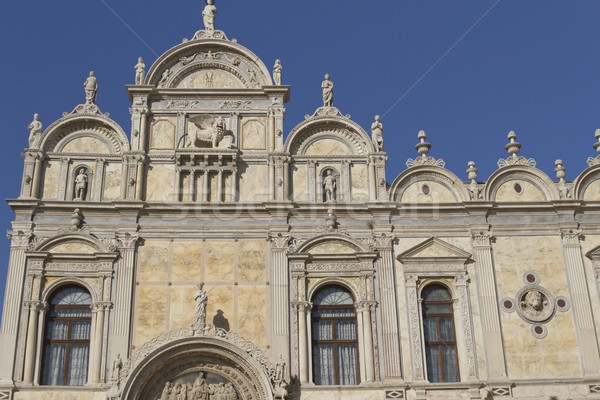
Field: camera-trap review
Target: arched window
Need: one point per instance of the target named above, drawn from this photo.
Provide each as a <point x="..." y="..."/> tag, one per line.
<point x="440" y="338"/>
<point x="67" y="338"/>
<point x="334" y="337"/>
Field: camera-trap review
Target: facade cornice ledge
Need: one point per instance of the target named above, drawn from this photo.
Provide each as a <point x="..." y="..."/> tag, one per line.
<point x="265" y="91"/>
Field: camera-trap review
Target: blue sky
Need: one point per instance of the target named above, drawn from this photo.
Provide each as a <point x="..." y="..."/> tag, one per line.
<point x="466" y="72"/>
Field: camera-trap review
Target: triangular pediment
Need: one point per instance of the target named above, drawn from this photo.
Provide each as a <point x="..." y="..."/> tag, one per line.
<point x="594" y="254"/>
<point x="434" y="248"/>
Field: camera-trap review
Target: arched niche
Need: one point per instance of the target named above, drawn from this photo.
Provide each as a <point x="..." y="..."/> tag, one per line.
<point x="428" y="184"/>
<point x="181" y="360"/>
<point x="231" y="64"/>
<point x="587" y="184"/>
<point x="520" y="183"/>
<point x="336" y="136"/>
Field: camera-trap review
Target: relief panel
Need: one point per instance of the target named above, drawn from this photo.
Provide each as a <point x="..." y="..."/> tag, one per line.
<point x="254" y="134"/>
<point x="181" y="306"/>
<point x="153" y="261"/>
<point x="51" y="173"/>
<point x="529" y="192"/>
<point x="299" y="182"/>
<point x="150" y="312"/>
<point x="159" y="186"/>
<point x="328" y="147"/>
<point x="210" y="79"/>
<point x="112" y="181"/>
<point x="87" y="145"/>
<point x="187" y="262"/>
<point x="252" y="314"/>
<point x="252" y="256"/>
<point x="219" y="261"/>
<point x="358" y="179"/>
<point x="253" y="183"/>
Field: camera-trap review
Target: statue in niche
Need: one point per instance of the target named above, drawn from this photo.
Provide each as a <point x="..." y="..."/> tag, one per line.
<point x="140" y="71"/>
<point x="327" y="87"/>
<point x="329" y="186"/>
<point x="277" y="72"/>
<point x="213" y="134"/>
<point x="219" y="321"/>
<point x="117" y="366"/>
<point x="91" y="88"/>
<point x="81" y="184"/>
<point x="164" y="78"/>
<point x="35" y="128"/>
<point x="208" y="15"/>
<point x="377" y="133"/>
<point x="201" y="298"/>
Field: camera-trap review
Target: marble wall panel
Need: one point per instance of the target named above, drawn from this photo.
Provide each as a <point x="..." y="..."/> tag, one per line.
<point x="219" y="261"/>
<point x="221" y="306"/>
<point x="160" y="180"/>
<point x="73" y="247"/>
<point x="187" y="261"/>
<point x="210" y="79"/>
<point x="592" y="192"/>
<point x="530" y="192"/>
<point x="162" y="133"/>
<point x="253" y="183"/>
<point x="187" y="187"/>
<point x="252" y="264"/>
<point x="112" y="181"/>
<point x="151" y="312"/>
<point x="254" y="134"/>
<point x="51" y="173"/>
<point x="212" y="186"/>
<point x="359" y="182"/>
<point x="154" y="261"/>
<point x="590" y="243"/>
<point x="182" y="306"/>
<point x="331" y="248"/>
<point x="64" y="393"/>
<point x="328" y="147"/>
<point x="557" y="355"/>
<point x="438" y="193"/>
<point x="86" y="144"/>
<point x="299" y="182"/>
<point x="253" y="314"/>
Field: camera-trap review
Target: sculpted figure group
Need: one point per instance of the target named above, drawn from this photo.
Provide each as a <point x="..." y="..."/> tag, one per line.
<point x="200" y="390"/>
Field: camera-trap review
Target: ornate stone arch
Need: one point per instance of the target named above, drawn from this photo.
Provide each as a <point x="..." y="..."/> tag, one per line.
<point x="428" y="173"/>
<point x="334" y="280"/>
<point x="71" y="280"/>
<point x="95" y="243"/>
<point x="529" y="174"/>
<point x="307" y="245"/>
<point x="204" y="53"/>
<point x="436" y="281"/>
<point x="584" y="180"/>
<point x="98" y="126"/>
<point x="336" y="127"/>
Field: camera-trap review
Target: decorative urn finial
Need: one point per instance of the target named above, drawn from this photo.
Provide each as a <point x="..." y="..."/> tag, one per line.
<point x="422" y="147"/>
<point x="513" y="147"/>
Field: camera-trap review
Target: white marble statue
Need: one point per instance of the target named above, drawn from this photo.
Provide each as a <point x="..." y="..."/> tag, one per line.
<point x="208" y="15"/>
<point x="277" y="72"/>
<point x="329" y="186"/>
<point x="411" y="394"/>
<point x="201" y="298"/>
<point x="91" y="88"/>
<point x="164" y="78"/>
<point x="485" y="393"/>
<point x="117" y="366"/>
<point x="327" y="87"/>
<point x="35" y="128"/>
<point x="140" y="71"/>
<point x="81" y="184"/>
<point x="377" y="133"/>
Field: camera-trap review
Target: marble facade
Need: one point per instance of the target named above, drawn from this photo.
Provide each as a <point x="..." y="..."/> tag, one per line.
<point x="207" y="187"/>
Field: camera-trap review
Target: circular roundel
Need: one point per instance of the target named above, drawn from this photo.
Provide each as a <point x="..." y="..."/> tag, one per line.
<point x="531" y="278"/>
<point x="539" y="331"/>
<point x="507" y="304"/>
<point x="535" y="303"/>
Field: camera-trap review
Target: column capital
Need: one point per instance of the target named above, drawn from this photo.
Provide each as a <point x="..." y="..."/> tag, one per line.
<point x="280" y="241"/>
<point x="365" y="306"/>
<point x="35" y="305"/>
<point x="571" y="237"/>
<point x="383" y="241"/>
<point x="301" y="306"/>
<point x="462" y="280"/>
<point x="127" y="241"/>
<point x="411" y="280"/>
<point x="19" y="238"/>
<point x="482" y="238"/>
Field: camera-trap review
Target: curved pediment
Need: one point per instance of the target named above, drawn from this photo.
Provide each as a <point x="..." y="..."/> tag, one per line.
<point x="442" y="186"/>
<point x="73" y="243"/>
<point x="587" y="184"/>
<point x="520" y="183"/>
<point x="208" y="64"/>
<point x="331" y="243"/>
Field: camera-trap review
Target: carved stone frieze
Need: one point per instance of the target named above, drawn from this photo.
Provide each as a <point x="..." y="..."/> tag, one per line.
<point x="520" y="160"/>
<point x="425" y="161"/>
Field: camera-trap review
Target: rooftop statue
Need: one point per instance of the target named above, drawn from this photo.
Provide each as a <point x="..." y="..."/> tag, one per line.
<point x="208" y="15"/>
<point x="377" y="133"/>
<point x="140" y="71"/>
<point x="91" y="88"/>
<point x="327" y="87"/>
<point x="35" y="127"/>
<point x="277" y="72"/>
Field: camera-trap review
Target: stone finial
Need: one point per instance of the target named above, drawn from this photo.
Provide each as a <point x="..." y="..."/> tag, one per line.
<point x="472" y="171"/>
<point x="327" y="87"/>
<point x="422" y="147"/>
<point x="91" y="88"/>
<point x="560" y="170"/>
<point x="331" y="220"/>
<point x="597" y="145"/>
<point x="76" y="219"/>
<point x="208" y="15"/>
<point x="513" y="147"/>
<point x="277" y="72"/>
<point x="140" y="71"/>
<point x="595" y="160"/>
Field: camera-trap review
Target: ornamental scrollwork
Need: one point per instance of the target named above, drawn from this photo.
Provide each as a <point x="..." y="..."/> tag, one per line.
<point x="505" y="162"/>
<point x="430" y="161"/>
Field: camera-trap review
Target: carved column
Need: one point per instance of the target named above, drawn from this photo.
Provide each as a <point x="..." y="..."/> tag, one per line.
<point x="27" y="173"/>
<point x="364" y="308"/>
<point x="234" y="127"/>
<point x="144" y="129"/>
<point x="303" y="309"/>
<point x="280" y="296"/>
<point x="11" y="314"/>
<point x="465" y="324"/>
<point x="389" y="310"/>
<point x="98" y="310"/>
<point x="63" y="176"/>
<point x="180" y="129"/>
<point x="272" y="179"/>
<point x="219" y="197"/>
<point x="372" y="183"/>
<point x="414" y="313"/>
<point x="312" y="181"/>
<point x="98" y="179"/>
<point x="271" y="123"/>
<point x="40" y="342"/>
<point x="37" y="176"/>
<point x="124" y="293"/>
<point x="34" y="307"/>
<point x="582" y="310"/>
<point x="286" y="179"/>
<point x="346" y="181"/>
<point x="140" y="178"/>
<point x="488" y="300"/>
<point x="205" y="182"/>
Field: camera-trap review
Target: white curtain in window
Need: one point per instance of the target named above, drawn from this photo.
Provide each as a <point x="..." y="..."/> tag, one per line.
<point x="346" y="330"/>
<point x="78" y="365"/>
<point x="323" y="365"/>
<point x="446" y="329"/>
<point x="430" y="330"/>
<point x="450" y="367"/>
<point x="322" y="331"/>
<point x="54" y="365"/>
<point x="80" y="330"/>
<point x="434" y="369"/>
<point x="347" y="370"/>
